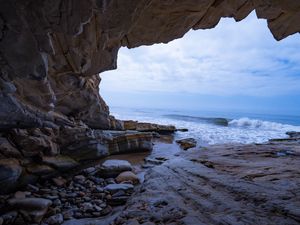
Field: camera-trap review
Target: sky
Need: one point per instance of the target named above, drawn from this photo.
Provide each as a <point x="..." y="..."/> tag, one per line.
<point x="234" y="66"/>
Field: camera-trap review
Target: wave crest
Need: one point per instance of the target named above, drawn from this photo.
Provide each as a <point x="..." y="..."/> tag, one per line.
<point x="261" y="124"/>
<point x="213" y="120"/>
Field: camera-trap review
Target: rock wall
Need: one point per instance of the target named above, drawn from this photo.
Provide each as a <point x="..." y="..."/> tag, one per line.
<point x="51" y="51"/>
<point x="29" y="155"/>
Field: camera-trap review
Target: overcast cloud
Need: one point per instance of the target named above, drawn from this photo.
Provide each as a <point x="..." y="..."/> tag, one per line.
<point x="232" y="59"/>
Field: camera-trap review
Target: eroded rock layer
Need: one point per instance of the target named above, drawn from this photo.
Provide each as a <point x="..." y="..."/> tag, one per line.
<point x="29" y="155"/>
<point x="52" y="51"/>
<point x="222" y="184"/>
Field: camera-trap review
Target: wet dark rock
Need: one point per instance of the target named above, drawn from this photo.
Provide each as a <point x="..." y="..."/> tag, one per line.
<point x="187" y="143"/>
<point x="293" y="134"/>
<point x="182" y="130"/>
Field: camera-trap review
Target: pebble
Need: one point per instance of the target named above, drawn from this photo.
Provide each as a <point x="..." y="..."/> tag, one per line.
<point x="89" y="170"/>
<point x="20" y="194"/>
<point x="113" y="188"/>
<point x="87" y="207"/>
<point x="127" y="176"/>
<point x="57" y="200"/>
<point x="32" y="188"/>
<point x="68" y="214"/>
<point x="56" y="219"/>
<point x="79" y="179"/>
<point x="59" y="181"/>
<point x="9" y="217"/>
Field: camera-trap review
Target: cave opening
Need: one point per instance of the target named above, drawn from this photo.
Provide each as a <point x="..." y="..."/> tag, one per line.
<point x="237" y="72"/>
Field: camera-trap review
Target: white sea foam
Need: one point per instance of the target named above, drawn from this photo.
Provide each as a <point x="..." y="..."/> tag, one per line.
<point x="261" y="124"/>
<point x="242" y="130"/>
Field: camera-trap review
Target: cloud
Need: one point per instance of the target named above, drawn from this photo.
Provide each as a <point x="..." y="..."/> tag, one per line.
<point x="232" y="59"/>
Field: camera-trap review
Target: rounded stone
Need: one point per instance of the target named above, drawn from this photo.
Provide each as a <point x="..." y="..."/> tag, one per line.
<point x="127" y="176"/>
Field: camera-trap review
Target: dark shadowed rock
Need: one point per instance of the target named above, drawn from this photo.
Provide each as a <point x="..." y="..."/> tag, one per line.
<point x="39" y="169"/>
<point x="8" y="150"/>
<point x="83" y="143"/>
<point x="33" y="142"/>
<point x="10" y="171"/>
<point x="293" y="134"/>
<point x="33" y="209"/>
<point x="60" y="162"/>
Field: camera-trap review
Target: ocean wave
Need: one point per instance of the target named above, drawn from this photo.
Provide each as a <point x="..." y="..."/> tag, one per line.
<point x="245" y="122"/>
<point x="212" y="120"/>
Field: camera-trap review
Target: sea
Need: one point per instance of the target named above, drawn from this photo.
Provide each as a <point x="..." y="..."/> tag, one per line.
<point x="216" y="127"/>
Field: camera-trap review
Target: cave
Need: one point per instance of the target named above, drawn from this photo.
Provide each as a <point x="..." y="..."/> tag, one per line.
<point x="53" y="120"/>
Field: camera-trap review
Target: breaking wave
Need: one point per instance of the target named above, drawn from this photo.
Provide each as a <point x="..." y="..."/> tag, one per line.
<point x="260" y="124"/>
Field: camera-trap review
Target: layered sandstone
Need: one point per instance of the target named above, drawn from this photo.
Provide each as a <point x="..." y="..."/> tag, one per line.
<point x="28" y="156"/>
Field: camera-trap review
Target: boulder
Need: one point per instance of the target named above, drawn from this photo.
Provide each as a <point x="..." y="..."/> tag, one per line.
<point x="127" y="176"/>
<point x="83" y="143"/>
<point x="293" y="134"/>
<point x="40" y="169"/>
<point x="33" y="209"/>
<point x="113" y="167"/>
<point x="187" y="143"/>
<point x="10" y="171"/>
<point x="60" y="162"/>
